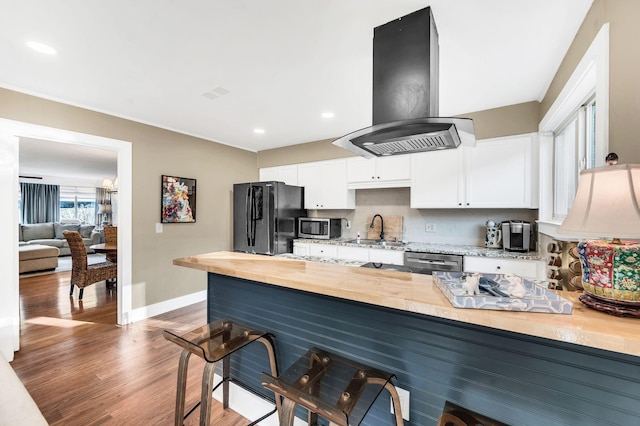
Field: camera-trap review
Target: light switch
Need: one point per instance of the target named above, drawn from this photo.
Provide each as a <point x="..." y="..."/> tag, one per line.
<point x="158" y="228"/>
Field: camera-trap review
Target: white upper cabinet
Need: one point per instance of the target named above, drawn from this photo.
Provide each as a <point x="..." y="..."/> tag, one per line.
<point x="325" y="184"/>
<point x="437" y="179"/>
<point x="379" y="172"/>
<point x="502" y="173"/>
<point x="287" y="174"/>
<point x="496" y="173"/>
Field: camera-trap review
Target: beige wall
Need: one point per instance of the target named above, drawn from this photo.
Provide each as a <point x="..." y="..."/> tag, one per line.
<point x="505" y="121"/>
<point x="155" y="152"/>
<point x="624" y="62"/>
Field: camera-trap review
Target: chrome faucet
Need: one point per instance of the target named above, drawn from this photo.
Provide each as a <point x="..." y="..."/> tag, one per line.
<point x="373" y="219"/>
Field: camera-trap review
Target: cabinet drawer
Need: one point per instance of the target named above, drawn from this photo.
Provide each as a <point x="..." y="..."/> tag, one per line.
<point x="523" y="268"/>
<point x="323" y="250"/>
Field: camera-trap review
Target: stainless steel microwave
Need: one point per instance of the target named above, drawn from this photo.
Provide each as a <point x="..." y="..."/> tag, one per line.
<point x="319" y="228"/>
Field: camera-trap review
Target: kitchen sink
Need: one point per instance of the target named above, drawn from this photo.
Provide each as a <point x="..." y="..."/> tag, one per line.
<point x="378" y="243"/>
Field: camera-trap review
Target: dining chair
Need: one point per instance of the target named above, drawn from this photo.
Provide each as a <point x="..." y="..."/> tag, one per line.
<point x="111" y="237"/>
<point x="84" y="274"/>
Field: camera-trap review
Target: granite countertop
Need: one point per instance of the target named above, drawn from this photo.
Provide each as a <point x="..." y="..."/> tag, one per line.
<point x="346" y="262"/>
<point x="417" y="293"/>
<point x="459" y="249"/>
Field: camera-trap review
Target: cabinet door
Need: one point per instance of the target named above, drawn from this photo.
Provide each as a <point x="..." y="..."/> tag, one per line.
<point x="360" y="169"/>
<point x="268" y="174"/>
<point x="393" y="168"/>
<point x="437" y="179"/>
<point x="333" y="186"/>
<point x="309" y="178"/>
<point x="287" y="174"/>
<point x="353" y="253"/>
<point x="300" y="249"/>
<point x="393" y="257"/>
<point x="500" y="173"/>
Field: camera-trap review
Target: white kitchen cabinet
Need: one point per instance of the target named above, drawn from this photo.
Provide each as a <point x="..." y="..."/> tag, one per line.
<point x="502" y="173"/>
<point x="360" y="254"/>
<point x="323" y="250"/>
<point x="533" y="269"/>
<point x="325" y="184"/>
<point x="300" y="249"/>
<point x="393" y="257"/>
<point x="379" y="172"/>
<point x="496" y="173"/>
<point x="287" y="174"/>
<point x="437" y="179"/>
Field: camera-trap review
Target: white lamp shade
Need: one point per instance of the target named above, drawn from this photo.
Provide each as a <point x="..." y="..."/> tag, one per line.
<point x="107" y="183"/>
<point x="606" y="203"/>
<point x="100" y="208"/>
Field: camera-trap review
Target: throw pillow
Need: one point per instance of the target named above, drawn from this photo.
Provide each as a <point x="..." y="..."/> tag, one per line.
<point x="60" y="228"/>
<point x="86" y="230"/>
<point x="38" y="231"/>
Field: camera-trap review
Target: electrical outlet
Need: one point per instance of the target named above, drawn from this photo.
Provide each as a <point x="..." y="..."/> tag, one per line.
<point x="158" y="228"/>
<point x="404" y="403"/>
<point x="348" y="224"/>
<point x="430" y="227"/>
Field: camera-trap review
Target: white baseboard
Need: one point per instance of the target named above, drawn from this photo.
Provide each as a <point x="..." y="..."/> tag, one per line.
<point x="249" y="405"/>
<point x="166" y="306"/>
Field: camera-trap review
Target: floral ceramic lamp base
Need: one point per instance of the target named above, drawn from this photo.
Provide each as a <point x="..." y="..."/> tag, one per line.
<point x="611" y="276"/>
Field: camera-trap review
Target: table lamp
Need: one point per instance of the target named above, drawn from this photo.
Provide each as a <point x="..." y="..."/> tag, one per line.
<point x="606" y="208"/>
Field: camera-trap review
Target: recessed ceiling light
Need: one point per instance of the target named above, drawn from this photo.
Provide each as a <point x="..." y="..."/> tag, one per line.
<point x="327" y="115"/>
<point x="258" y="131"/>
<point x="42" y="48"/>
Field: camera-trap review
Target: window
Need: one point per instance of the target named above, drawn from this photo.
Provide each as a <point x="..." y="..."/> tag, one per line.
<point x="574" y="150"/>
<point x="78" y="203"/>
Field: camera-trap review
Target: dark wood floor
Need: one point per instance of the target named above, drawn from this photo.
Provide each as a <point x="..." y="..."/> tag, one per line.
<point x="83" y="369"/>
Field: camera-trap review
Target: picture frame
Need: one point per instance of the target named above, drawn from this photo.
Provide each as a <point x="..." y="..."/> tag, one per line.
<point x="178" y="200"/>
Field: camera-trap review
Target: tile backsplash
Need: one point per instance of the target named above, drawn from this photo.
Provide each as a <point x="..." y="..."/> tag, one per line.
<point x="452" y="226"/>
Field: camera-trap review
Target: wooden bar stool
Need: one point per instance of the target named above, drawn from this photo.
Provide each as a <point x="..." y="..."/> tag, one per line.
<point x="214" y="342"/>
<point x="327" y="385"/>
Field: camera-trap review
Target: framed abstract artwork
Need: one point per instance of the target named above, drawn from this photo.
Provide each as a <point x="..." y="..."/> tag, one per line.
<point x="178" y="200"/>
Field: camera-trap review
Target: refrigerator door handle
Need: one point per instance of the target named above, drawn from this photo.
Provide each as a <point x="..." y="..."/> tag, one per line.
<point x="252" y="216"/>
<point x="247" y="211"/>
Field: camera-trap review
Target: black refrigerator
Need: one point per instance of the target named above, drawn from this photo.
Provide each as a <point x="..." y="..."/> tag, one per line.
<point x="265" y="216"/>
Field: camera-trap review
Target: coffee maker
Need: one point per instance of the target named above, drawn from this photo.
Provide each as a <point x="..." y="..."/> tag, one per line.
<point x="516" y="235"/>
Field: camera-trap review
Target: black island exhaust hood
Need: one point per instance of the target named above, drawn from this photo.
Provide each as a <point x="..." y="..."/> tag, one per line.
<point x="406" y="94"/>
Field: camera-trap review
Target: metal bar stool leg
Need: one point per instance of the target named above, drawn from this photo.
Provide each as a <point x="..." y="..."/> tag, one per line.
<point x="273" y="364"/>
<point x="183" y="366"/>
<point x="207" y="390"/>
<point x="396" y="403"/>
<point x="288" y="412"/>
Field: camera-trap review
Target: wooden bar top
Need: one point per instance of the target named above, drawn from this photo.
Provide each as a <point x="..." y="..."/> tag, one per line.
<point x="417" y="293"/>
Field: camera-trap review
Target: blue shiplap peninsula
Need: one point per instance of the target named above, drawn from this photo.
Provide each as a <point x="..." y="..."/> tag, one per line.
<point x="516" y="367"/>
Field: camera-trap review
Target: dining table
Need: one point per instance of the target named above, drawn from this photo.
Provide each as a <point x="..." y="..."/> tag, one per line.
<point x="111" y="250"/>
<point x="108" y="248"/>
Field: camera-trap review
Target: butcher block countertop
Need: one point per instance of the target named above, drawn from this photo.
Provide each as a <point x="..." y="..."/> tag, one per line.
<point x="416" y="293"/>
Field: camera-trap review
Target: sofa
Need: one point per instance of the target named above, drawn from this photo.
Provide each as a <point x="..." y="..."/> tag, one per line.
<point x="50" y="234"/>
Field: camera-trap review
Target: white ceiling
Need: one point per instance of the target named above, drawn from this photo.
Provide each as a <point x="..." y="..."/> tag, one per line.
<point x="282" y="62"/>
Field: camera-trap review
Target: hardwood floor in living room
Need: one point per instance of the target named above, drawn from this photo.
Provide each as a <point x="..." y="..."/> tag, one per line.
<point x="83" y="369"/>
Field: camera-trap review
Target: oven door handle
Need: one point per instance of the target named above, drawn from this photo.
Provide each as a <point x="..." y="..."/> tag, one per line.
<point x="433" y="262"/>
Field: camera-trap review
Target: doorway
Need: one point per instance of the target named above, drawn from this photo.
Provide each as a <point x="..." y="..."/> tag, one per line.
<point x="10" y="132"/>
